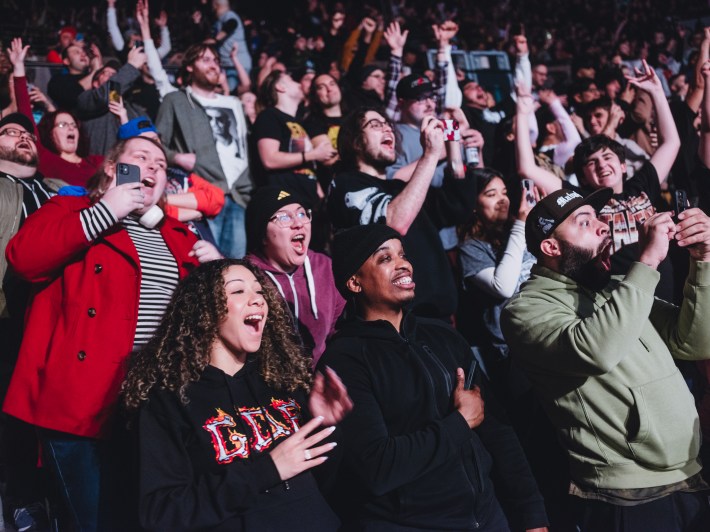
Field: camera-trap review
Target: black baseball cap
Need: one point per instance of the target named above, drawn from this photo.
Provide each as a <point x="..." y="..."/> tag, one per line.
<point x="20" y="120"/>
<point x="413" y="87"/>
<point x="554" y="209"/>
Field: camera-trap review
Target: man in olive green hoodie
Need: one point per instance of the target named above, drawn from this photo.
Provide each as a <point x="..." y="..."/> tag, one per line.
<point x="599" y="352"/>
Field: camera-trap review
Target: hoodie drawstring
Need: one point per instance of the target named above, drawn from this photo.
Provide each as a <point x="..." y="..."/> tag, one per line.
<point x="311" y="288"/>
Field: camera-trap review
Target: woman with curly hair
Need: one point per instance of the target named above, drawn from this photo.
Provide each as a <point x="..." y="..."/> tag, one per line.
<point x="221" y="393"/>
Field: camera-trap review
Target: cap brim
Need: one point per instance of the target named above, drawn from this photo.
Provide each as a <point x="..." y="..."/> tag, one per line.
<point x="599" y="198"/>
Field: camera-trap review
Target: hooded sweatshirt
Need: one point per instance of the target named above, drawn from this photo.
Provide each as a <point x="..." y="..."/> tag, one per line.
<point x="408" y="456"/>
<point x="311" y="295"/>
<point x="206" y="465"/>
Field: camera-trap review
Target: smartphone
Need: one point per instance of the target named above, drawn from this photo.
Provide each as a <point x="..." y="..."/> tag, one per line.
<point x="114" y="91"/>
<point x="528" y="186"/>
<point x="681" y="201"/>
<point x="127" y="173"/>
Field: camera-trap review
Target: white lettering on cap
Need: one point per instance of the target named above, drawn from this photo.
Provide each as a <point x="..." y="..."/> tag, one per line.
<point x="564" y="200"/>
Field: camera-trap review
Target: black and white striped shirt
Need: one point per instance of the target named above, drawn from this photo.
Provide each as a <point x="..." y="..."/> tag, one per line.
<point x="159" y="269"/>
<point x="35" y="193"/>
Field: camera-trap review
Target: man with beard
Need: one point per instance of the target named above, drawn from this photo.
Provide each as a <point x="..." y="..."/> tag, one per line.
<point x="599" y="353"/>
<point x="22" y="192"/>
<point x="186" y="119"/>
<point x="361" y="195"/>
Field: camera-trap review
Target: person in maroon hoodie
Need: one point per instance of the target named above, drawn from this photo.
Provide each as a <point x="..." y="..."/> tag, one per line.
<point x="278" y="225"/>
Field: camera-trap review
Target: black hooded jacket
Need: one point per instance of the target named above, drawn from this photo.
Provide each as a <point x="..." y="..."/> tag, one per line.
<point x="408" y="456"/>
<point x="206" y="465"/>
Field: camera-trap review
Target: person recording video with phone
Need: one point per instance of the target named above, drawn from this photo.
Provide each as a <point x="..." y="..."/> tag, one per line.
<point x="101" y="280"/>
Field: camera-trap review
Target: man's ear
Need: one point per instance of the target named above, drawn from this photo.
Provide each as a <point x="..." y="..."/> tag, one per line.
<point x="354" y="285"/>
<point x="190" y="69"/>
<point x="65" y="61"/>
<point x="550" y="247"/>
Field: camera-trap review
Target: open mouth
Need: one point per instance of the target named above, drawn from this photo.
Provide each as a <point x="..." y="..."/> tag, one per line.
<point x="148" y="182"/>
<point x="388" y="141"/>
<point x="71" y="136"/>
<point x="404" y="281"/>
<point x="254" y="321"/>
<point x="604" y="257"/>
<point x="299" y="242"/>
<point x="24" y="145"/>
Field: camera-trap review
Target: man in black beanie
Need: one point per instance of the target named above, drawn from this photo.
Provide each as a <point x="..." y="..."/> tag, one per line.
<point x="417" y="452"/>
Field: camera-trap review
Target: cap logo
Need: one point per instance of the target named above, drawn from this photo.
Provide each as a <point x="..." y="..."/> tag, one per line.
<point x="545" y="224"/>
<point x="564" y="200"/>
<point x="283" y="194"/>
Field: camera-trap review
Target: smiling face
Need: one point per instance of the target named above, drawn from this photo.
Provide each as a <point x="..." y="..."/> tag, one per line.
<point x="65" y="134"/>
<point x="378" y="140"/>
<point x="493" y="204"/>
<point x="152" y="163"/>
<point x="205" y="70"/>
<point x="285" y="247"/>
<point x="597" y="120"/>
<point x="384" y="281"/>
<point x="604" y="169"/>
<point x="242" y="328"/>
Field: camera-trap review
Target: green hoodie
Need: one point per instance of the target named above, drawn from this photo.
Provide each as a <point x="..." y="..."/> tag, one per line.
<point x="601" y="363"/>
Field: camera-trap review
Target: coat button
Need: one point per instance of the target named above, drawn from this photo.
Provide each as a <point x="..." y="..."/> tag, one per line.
<point x="91" y="312"/>
<point x="98" y="268"/>
<point x="81" y="355"/>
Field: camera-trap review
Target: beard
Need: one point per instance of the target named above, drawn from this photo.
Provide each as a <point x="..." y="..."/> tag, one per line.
<point x="580" y="264"/>
<point x="377" y="159"/>
<point x="22" y="157"/>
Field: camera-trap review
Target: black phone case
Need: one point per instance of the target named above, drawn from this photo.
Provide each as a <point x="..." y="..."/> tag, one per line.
<point x="127" y="173"/>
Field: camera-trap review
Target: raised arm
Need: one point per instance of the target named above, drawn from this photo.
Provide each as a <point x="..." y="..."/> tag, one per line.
<point x="546" y="181"/>
<point x="695" y="94"/>
<point x="162" y="23"/>
<point x="112" y="24"/>
<point x="396" y="39"/>
<point x="665" y="155"/>
<point x="405" y="207"/>
<point x="448" y="91"/>
<point x="704" y="146"/>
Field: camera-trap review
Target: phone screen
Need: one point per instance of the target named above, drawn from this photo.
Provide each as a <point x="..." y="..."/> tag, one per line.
<point x="114" y="91"/>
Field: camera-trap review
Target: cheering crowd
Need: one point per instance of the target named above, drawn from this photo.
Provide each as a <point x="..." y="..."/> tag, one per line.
<point x="315" y="272"/>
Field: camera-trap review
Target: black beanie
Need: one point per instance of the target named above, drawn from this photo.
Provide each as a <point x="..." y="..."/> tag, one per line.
<point x="352" y="247"/>
<point x="262" y="206"/>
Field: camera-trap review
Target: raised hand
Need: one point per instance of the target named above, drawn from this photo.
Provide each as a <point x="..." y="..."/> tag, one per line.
<point x="521" y="44"/>
<point x="396" y="38"/>
<point x="445" y="32"/>
<point x="432" y="137"/>
<point x="654" y="237"/>
<point x="161" y="20"/>
<point x="547" y="96"/>
<point x="297" y="453"/>
<point x="118" y="109"/>
<point x="646" y="79"/>
<point x="329" y="397"/>
<point x="17" y="54"/>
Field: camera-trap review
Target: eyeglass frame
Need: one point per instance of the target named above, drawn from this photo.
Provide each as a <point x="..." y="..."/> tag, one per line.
<point x="19" y="134"/>
<point x="292" y="217"/>
<point x="381" y="124"/>
<point x="70" y="125"/>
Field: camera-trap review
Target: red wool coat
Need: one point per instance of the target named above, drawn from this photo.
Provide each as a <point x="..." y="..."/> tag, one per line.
<point x="81" y="319"/>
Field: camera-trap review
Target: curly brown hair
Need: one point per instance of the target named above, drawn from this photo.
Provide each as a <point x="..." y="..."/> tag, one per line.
<point x="180" y="349"/>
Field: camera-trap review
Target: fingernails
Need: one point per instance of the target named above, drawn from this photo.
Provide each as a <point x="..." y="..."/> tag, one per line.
<point x="320" y="418"/>
<point x="331" y="429"/>
<point x="334" y="445"/>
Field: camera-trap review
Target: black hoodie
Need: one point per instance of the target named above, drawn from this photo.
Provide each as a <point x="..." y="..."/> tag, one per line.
<point x="206" y="465"/>
<point x="409" y="457"/>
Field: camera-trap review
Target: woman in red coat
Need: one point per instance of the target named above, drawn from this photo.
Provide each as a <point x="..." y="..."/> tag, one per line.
<point x="101" y="280"/>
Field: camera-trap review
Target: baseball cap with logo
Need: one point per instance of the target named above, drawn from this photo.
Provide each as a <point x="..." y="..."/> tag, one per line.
<point x="413" y="87"/>
<point x="554" y="209"/>
<point x="263" y="204"/>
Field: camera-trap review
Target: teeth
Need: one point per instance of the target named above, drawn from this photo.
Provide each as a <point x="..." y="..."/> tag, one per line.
<point x="403" y="280"/>
<point x="254" y="317"/>
<point x="298" y="238"/>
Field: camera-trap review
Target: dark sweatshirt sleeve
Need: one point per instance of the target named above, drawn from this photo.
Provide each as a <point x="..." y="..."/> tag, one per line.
<point x="452" y="203"/>
<point x="94" y="102"/>
<point x="173" y="495"/>
<point x="383" y="461"/>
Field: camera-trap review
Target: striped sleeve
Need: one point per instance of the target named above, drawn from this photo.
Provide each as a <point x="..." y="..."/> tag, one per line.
<point x="97" y="219"/>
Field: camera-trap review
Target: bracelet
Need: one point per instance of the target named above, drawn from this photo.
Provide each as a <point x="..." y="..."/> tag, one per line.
<point x="303" y="154"/>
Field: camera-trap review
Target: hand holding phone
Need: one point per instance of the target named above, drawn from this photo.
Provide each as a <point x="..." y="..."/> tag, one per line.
<point x="680" y="201"/>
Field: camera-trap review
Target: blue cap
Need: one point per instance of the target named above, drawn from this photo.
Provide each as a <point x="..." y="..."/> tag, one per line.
<point x="134" y="128"/>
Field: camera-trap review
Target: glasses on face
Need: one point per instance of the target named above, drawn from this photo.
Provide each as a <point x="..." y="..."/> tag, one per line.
<point x="15" y="133"/>
<point x="425" y="97"/>
<point x="69" y="125"/>
<point x="286" y="219"/>
<point x="377" y="124"/>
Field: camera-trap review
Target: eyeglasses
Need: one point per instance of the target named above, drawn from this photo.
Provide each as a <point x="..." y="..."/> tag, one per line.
<point x="377" y="124"/>
<point x="12" y="132"/>
<point x="286" y="219"/>
<point x="426" y="97"/>
<point x="62" y="125"/>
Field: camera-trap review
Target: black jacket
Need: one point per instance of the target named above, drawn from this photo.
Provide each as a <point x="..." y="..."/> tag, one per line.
<point x="205" y="466"/>
<point x="408" y="457"/>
